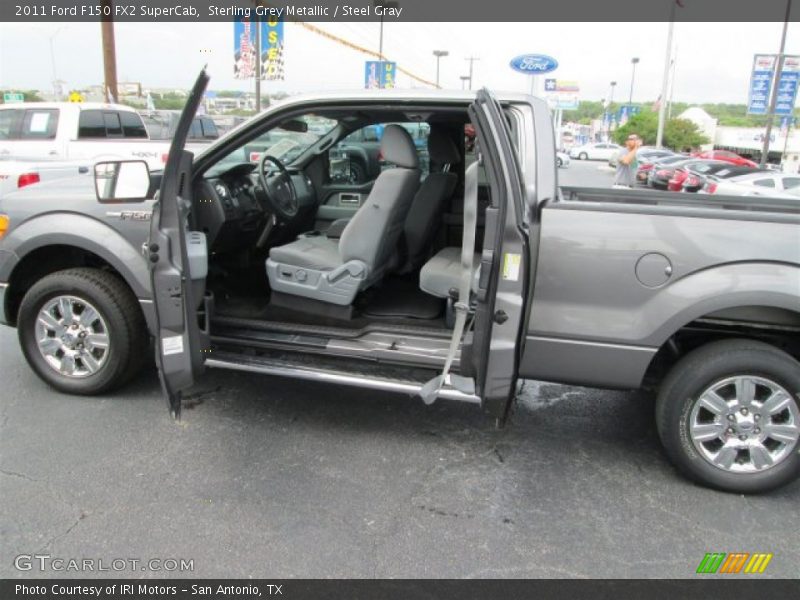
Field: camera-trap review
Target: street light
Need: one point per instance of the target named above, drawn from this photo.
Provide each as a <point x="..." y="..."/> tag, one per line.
<point x="610" y="102"/>
<point x="634" y="61"/>
<point x="52" y="37"/>
<point x="439" y="54"/>
<point x="386" y="5"/>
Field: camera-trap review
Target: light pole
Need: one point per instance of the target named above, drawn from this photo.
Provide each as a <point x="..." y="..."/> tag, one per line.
<point x="775" y="80"/>
<point x="386" y="5"/>
<point x="439" y="54"/>
<point x="662" y="107"/>
<point x="464" y="80"/>
<point x="634" y="62"/>
<point x="610" y="102"/>
<point x="52" y="37"/>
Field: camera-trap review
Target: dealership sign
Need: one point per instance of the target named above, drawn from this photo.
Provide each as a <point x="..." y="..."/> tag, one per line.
<point x="761" y="84"/>
<point x="534" y="64"/>
<point x="787" y="86"/>
<point x="245" y="52"/>
<point x="562" y="94"/>
<point x="379" y="74"/>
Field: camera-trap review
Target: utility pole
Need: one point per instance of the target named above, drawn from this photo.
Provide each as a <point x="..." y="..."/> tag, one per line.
<point x="386" y="5"/>
<point x="464" y="79"/>
<point x="109" y="51"/>
<point x="634" y="62"/>
<point x="775" y="80"/>
<point x="471" y="60"/>
<point x="257" y="38"/>
<point x="439" y="54"/>
<point x="662" y="108"/>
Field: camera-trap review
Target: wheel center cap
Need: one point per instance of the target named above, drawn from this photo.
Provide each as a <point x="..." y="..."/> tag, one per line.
<point x="745" y="423"/>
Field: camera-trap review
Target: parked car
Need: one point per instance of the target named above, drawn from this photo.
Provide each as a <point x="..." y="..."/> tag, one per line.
<point x="161" y="125"/>
<point x="646" y="169"/>
<point x="601" y="151"/>
<point x="695" y="298"/>
<point x="646" y="154"/>
<point x="725" y="170"/>
<point x="17" y="174"/>
<point x="726" y="156"/>
<point x="77" y="131"/>
<point x="562" y="159"/>
<point x="691" y="173"/>
<point x="658" y="177"/>
<point x="760" y="183"/>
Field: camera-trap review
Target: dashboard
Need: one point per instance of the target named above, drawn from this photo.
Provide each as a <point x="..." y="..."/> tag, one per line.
<point x="232" y="208"/>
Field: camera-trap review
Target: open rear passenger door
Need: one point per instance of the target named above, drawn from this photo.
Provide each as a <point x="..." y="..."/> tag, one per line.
<point x="178" y="265"/>
<point x="493" y="358"/>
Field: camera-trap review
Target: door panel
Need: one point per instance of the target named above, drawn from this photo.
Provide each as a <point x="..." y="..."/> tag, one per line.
<point x="340" y="201"/>
<point x="178" y="261"/>
<point x="505" y="261"/>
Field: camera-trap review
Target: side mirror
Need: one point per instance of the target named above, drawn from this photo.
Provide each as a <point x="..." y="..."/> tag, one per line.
<point x="121" y="181"/>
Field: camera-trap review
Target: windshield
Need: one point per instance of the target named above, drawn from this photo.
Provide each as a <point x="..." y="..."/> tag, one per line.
<point x="285" y="142"/>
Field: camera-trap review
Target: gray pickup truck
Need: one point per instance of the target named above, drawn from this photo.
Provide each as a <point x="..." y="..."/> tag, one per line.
<point x="453" y="287"/>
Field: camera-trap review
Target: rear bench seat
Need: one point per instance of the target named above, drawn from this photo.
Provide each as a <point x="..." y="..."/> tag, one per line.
<point x="442" y="273"/>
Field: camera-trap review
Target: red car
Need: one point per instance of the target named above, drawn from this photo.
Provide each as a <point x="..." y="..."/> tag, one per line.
<point x="727" y="156"/>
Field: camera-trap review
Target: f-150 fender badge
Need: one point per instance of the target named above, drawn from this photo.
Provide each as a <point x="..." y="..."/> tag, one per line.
<point x="131" y="215"/>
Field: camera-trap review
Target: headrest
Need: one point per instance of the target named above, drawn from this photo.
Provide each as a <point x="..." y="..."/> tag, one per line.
<point x="397" y="147"/>
<point x="442" y="149"/>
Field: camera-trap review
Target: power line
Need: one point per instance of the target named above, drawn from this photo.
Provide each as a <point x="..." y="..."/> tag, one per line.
<point x="358" y="48"/>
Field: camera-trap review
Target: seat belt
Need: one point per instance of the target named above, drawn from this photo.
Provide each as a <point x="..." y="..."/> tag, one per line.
<point x="430" y="391"/>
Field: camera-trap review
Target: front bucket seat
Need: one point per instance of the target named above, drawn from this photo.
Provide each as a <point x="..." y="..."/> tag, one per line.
<point x="334" y="271"/>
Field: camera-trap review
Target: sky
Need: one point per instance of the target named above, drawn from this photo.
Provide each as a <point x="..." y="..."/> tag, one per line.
<point x="713" y="60"/>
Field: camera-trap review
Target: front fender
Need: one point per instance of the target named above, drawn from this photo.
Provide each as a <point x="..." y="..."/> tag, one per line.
<point x="85" y="233"/>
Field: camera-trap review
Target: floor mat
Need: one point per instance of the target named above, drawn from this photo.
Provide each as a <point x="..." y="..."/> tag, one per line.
<point x="400" y="297"/>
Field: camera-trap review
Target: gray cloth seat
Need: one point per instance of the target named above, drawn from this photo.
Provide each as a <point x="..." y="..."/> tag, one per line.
<point x="425" y="214"/>
<point x="334" y="271"/>
<point x="442" y="273"/>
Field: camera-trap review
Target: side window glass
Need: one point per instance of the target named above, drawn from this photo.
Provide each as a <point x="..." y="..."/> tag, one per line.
<point x="765" y="183"/>
<point x="112" y="124"/>
<point x="357" y="159"/>
<point x="10" y="122"/>
<point x="39" y="125"/>
<point x="132" y="125"/>
<point x="91" y="125"/>
<point x="790" y="182"/>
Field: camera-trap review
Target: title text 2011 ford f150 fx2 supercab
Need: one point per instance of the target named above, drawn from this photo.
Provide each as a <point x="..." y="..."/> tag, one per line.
<point x="453" y="287"/>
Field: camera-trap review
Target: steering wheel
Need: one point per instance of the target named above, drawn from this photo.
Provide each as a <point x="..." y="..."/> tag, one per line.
<point x="280" y="190"/>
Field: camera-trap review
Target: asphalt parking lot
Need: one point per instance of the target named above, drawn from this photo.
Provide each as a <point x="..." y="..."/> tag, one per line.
<point x="266" y="477"/>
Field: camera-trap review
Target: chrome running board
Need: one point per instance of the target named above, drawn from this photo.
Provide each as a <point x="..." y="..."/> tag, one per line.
<point x="337" y="377"/>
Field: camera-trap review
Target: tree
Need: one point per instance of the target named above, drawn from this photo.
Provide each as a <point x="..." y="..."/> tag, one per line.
<point x="682" y="135"/>
<point x="645" y="125"/>
<point x="679" y="134"/>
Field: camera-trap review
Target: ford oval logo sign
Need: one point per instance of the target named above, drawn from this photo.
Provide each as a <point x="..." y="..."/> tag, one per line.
<point x="534" y="64"/>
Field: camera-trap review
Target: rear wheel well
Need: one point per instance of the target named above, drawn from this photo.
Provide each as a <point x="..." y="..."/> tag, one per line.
<point x="782" y="332"/>
<point x="46" y="260"/>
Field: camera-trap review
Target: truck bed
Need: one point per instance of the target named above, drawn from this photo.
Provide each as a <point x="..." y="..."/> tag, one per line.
<point x="748" y="208"/>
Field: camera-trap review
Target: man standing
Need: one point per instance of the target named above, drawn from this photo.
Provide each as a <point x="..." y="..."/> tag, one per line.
<point x="627" y="165"/>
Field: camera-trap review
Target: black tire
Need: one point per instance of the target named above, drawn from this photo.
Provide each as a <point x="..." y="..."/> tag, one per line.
<point x="695" y="373"/>
<point x="358" y="174"/>
<point x="583" y="156"/>
<point x="559" y="162"/>
<point x="127" y="331"/>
